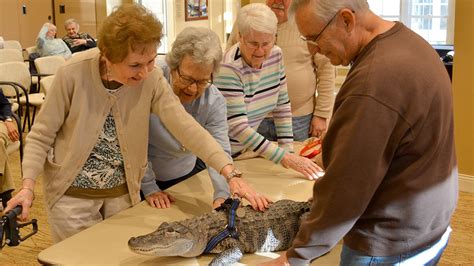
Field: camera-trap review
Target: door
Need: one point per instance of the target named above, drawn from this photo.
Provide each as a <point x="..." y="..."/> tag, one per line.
<point x="33" y="14"/>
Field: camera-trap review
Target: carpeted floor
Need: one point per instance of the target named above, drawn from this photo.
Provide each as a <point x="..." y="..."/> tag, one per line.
<point x="460" y="250"/>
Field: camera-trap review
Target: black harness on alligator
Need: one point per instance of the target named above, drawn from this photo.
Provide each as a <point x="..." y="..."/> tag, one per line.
<point x="230" y="206"/>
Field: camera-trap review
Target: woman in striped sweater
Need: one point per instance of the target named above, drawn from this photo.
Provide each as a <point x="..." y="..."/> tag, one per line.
<point x="253" y="81"/>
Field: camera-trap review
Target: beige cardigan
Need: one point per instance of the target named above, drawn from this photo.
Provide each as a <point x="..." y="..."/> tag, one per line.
<point x="72" y="117"/>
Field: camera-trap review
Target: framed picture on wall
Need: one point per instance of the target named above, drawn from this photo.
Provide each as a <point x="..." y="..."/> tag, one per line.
<point x="195" y="9"/>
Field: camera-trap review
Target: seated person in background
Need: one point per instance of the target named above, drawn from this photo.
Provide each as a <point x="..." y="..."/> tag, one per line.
<point x="47" y="44"/>
<point x="194" y="57"/>
<point x="75" y="40"/>
<point x="8" y="134"/>
<point x="253" y="81"/>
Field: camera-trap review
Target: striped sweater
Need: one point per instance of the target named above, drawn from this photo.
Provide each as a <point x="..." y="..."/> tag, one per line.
<point x="251" y="94"/>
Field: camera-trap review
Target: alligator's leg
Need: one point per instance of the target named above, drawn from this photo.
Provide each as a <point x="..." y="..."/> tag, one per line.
<point x="227" y="257"/>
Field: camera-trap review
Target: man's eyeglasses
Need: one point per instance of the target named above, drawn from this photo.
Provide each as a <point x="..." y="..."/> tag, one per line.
<point x="313" y="40"/>
<point x="256" y="45"/>
<point x="188" y="81"/>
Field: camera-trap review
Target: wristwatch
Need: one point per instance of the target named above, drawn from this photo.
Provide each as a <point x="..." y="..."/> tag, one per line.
<point x="234" y="174"/>
<point x="8" y="119"/>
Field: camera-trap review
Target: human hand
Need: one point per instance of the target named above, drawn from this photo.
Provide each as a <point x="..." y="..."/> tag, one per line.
<point x="160" y="200"/>
<point x="303" y="165"/>
<point x="240" y="187"/>
<point x="12" y="130"/>
<point x="217" y="203"/>
<point x="280" y="261"/>
<point x="318" y="127"/>
<point x="79" y="42"/>
<point x="24" y="197"/>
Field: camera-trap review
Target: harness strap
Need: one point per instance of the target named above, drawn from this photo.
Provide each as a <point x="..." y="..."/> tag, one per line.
<point x="229" y="230"/>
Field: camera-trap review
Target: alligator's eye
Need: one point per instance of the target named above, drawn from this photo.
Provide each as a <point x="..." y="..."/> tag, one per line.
<point x="171" y="234"/>
<point x="181" y="230"/>
<point x="163" y="225"/>
<point x="170" y="229"/>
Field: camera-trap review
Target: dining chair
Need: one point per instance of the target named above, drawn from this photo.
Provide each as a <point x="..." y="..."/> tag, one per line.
<point x="13" y="44"/>
<point x="15" y="81"/>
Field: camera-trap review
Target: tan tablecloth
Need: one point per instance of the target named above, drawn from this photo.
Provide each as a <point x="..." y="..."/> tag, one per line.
<point x="106" y="242"/>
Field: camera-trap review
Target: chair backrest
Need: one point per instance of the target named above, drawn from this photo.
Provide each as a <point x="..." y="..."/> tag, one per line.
<point x="31" y="49"/>
<point x="49" y="64"/>
<point x="16" y="72"/>
<point x="10" y="55"/>
<point x="46" y="83"/>
<point x="12" y="44"/>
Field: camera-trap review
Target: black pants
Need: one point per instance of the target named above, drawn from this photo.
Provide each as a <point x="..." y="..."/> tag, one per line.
<point x="198" y="167"/>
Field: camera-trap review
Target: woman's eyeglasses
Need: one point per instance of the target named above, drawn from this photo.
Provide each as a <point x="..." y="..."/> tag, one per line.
<point x="188" y="81"/>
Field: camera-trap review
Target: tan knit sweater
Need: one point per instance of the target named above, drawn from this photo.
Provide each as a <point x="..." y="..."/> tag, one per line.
<point x="306" y="96"/>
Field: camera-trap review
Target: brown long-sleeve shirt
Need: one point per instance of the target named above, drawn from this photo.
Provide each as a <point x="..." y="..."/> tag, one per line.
<point x="391" y="178"/>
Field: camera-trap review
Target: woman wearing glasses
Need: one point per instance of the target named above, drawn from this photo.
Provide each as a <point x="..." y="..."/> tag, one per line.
<point x="194" y="57"/>
<point x="253" y="81"/>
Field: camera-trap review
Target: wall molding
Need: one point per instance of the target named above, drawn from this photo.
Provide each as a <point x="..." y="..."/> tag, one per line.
<point x="466" y="183"/>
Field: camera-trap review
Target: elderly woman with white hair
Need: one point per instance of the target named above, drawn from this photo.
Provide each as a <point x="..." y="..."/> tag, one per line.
<point x="190" y="65"/>
<point x="253" y="81"/>
<point x="47" y="44"/>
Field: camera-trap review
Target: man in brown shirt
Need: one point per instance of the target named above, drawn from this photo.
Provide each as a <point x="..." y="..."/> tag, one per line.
<point x="390" y="186"/>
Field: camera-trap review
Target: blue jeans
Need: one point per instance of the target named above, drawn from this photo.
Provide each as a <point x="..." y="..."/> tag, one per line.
<point x="300" y="128"/>
<point x="425" y="256"/>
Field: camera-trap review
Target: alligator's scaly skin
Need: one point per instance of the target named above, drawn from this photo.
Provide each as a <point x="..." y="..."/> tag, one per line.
<point x="272" y="230"/>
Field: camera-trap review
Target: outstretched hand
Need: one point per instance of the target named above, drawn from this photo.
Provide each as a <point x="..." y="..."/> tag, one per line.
<point x="240" y="187"/>
<point x="160" y="200"/>
<point x="303" y="165"/>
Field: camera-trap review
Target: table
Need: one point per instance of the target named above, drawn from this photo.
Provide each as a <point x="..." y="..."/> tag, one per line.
<point x="106" y="242"/>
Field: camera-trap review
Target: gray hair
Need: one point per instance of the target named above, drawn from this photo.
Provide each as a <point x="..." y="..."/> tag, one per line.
<point x="325" y="9"/>
<point x="202" y="44"/>
<point x="258" y="17"/>
<point x="70" y="21"/>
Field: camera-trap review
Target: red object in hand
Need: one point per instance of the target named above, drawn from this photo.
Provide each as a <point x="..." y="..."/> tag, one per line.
<point x="311" y="149"/>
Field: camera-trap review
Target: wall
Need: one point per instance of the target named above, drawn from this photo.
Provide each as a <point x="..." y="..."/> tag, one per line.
<point x="463" y="89"/>
<point x="177" y="22"/>
<point x="24" y="27"/>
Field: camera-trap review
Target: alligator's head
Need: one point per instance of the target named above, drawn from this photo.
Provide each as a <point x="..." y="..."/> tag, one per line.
<point x="174" y="239"/>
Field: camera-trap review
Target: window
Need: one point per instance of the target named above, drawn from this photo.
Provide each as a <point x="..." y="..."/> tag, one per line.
<point x="158" y="7"/>
<point x="432" y="19"/>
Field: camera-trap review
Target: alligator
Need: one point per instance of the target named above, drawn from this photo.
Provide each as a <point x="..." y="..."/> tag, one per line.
<point x="268" y="231"/>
